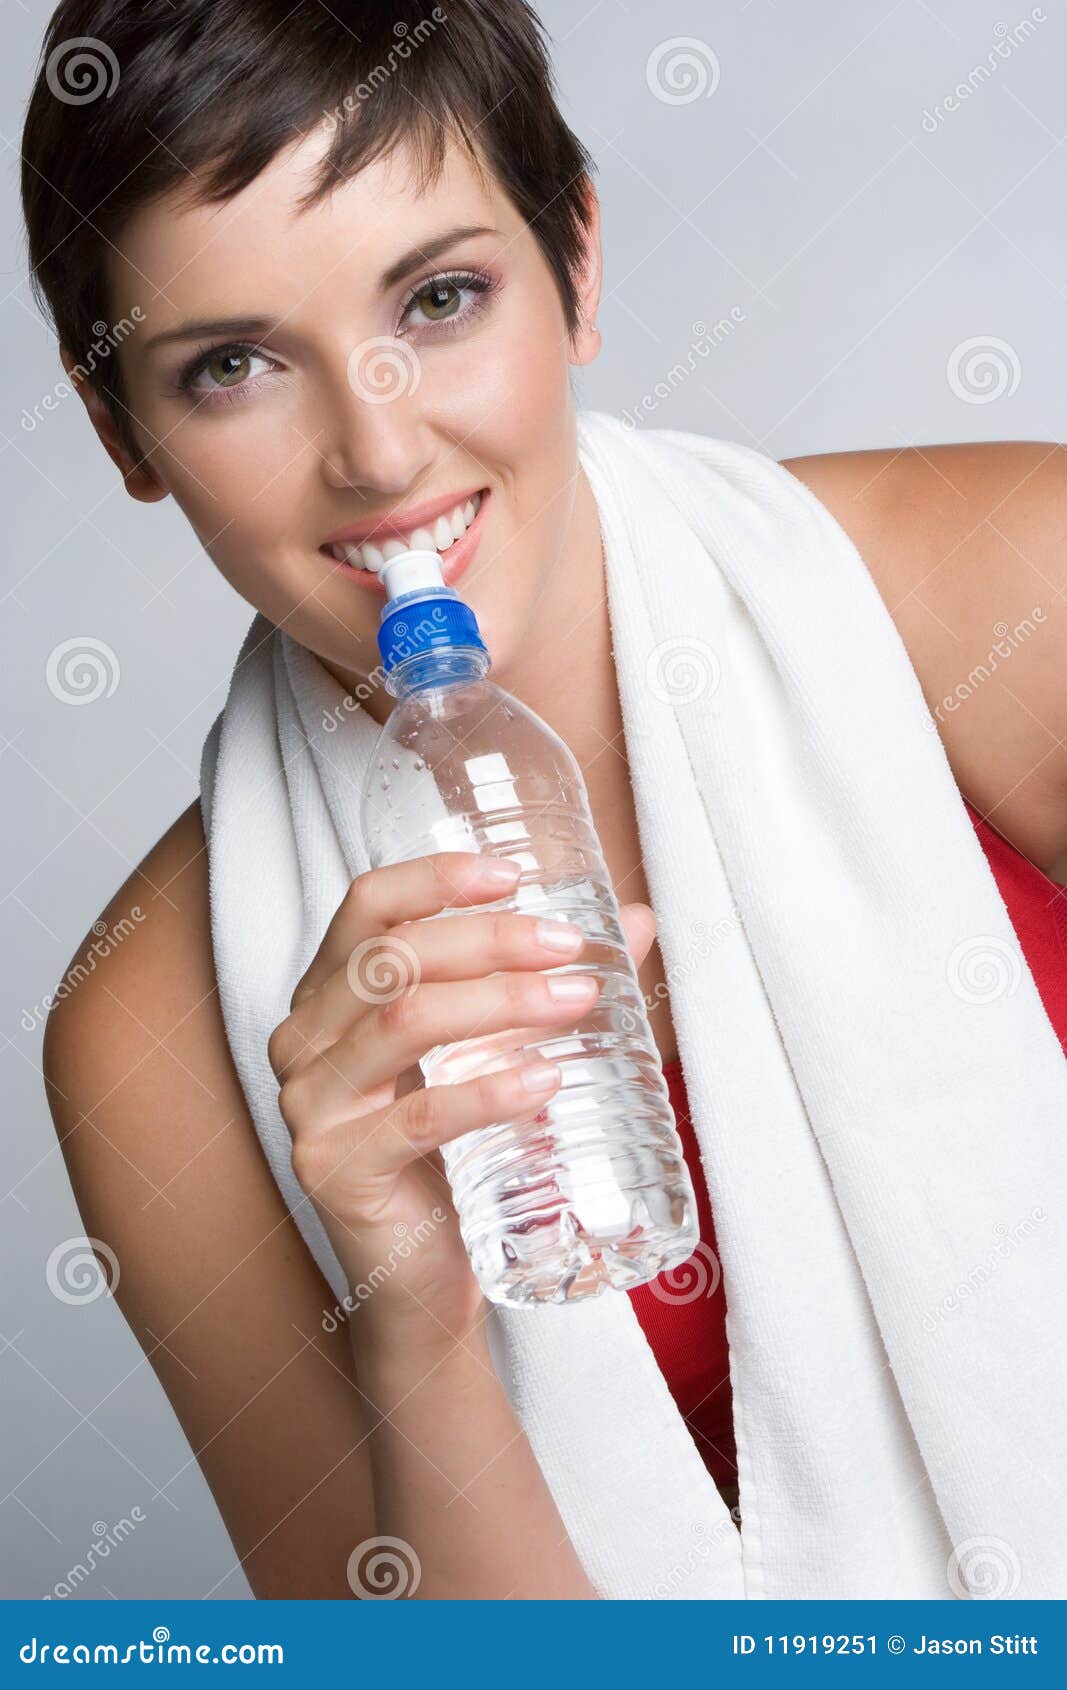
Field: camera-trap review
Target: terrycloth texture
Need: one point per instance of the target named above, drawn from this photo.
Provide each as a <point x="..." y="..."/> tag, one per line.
<point x="879" y="1096"/>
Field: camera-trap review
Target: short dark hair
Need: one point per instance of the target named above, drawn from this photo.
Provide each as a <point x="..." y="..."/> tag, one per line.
<point x="131" y="98"/>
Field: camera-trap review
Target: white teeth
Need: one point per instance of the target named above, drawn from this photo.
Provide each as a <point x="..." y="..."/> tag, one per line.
<point x="445" y="531"/>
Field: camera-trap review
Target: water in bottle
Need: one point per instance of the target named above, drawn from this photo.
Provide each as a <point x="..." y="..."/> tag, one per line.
<point x="592" y="1192"/>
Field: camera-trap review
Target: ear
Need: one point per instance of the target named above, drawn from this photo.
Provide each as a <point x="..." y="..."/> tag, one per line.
<point x="141" y="480"/>
<point x="585" y="341"/>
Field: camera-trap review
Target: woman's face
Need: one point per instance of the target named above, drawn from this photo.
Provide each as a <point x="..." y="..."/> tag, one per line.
<point x="364" y="392"/>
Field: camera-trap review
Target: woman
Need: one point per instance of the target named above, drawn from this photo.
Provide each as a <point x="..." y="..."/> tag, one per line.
<point x="282" y="201"/>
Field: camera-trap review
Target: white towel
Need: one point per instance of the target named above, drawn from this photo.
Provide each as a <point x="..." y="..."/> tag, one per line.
<point x="878" y="1094"/>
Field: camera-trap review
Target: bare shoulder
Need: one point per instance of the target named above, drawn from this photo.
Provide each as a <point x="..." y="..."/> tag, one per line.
<point x="213" y="1276"/>
<point x="964" y="544"/>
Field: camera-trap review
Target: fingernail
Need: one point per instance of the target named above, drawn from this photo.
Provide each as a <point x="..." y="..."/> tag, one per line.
<point x="559" y="936"/>
<point x="568" y="988"/>
<point x="493" y="873"/>
<point x="539" y="1076"/>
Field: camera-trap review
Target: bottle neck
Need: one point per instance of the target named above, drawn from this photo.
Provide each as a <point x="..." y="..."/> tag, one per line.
<point x="442" y="667"/>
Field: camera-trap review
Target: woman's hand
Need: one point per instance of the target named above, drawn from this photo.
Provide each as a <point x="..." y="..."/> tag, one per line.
<point x="386" y="985"/>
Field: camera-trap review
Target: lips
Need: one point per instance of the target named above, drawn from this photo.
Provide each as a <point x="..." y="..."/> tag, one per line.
<point x="434" y="534"/>
<point x="395" y="537"/>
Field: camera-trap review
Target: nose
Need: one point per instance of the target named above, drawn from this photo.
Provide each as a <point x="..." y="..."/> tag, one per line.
<point x="377" y="440"/>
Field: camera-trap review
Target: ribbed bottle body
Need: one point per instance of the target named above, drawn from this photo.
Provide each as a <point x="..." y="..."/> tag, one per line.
<point x="593" y="1191"/>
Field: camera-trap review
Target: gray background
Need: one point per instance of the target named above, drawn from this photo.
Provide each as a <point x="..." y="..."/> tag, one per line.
<point x="858" y="251"/>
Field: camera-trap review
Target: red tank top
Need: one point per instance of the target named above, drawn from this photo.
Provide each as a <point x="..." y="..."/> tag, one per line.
<point x="683" y="1312"/>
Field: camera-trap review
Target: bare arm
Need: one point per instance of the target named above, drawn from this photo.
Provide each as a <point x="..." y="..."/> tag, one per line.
<point x="964" y="543"/>
<point x="282" y="1407"/>
<point x="215" y="1281"/>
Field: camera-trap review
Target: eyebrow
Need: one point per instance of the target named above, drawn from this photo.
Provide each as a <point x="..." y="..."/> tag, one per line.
<point x="424" y="253"/>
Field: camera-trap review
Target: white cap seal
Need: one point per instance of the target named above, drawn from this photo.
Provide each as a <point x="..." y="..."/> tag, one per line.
<point x="411" y="570"/>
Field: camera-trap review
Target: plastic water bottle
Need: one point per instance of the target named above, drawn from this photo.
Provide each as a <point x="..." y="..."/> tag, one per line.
<point x="594" y="1190"/>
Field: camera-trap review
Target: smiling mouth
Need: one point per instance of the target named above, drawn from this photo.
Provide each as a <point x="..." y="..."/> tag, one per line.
<point x="437" y="536"/>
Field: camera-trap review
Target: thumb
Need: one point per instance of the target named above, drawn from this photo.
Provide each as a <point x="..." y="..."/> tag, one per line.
<point x="639" y="926"/>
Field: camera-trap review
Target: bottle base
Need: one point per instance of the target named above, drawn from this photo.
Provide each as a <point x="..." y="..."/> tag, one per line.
<point x="571" y="1265"/>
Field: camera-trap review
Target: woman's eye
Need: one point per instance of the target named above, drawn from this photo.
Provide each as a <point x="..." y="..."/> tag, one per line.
<point x="228" y="368"/>
<point x="441" y="301"/>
